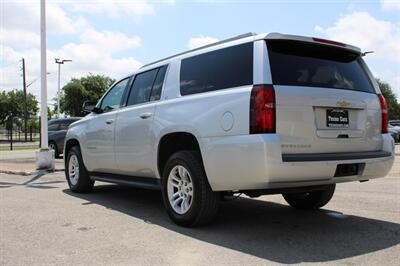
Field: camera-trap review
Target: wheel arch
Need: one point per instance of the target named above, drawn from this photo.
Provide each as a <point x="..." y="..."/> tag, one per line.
<point x="173" y="142"/>
<point x="69" y="144"/>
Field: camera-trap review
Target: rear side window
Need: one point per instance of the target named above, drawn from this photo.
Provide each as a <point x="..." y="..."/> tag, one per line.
<point x="312" y="65"/>
<point x="147" y="86"/>
<point x="156" y="90"/>
<point x="216" y="70"/>
<point x="141" y="88"/>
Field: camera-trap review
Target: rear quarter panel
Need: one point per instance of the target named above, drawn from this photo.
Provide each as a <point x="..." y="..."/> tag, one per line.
<point x="205" y="115"/>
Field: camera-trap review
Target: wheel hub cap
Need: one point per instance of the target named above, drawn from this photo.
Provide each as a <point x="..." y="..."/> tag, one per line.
<point x="73" y="169"/>
<point x="180" y="189"/>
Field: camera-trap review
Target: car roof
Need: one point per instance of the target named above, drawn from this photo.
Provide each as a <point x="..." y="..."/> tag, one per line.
<point x="248" y="37"/>
<point x="240" y="39"/>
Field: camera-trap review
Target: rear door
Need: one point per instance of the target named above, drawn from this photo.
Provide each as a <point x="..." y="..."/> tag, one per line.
<point x="325" y="101"/>
<point x="134" y="140"/>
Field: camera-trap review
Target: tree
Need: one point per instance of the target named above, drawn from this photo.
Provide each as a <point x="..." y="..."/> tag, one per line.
<point x="393" y="104"/>
<point x="4" y="106"/>
<point x="12" y="105"/>
<point x="50" y="113"/>
<point x="77" y="91"/>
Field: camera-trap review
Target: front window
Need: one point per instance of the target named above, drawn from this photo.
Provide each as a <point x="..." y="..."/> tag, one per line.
<point x="113" y="99"/>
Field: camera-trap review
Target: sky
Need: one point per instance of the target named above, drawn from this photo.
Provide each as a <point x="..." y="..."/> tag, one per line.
<point x="115" y="38"/>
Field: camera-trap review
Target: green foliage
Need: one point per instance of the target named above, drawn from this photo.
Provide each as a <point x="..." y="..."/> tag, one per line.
<point x="393" y="104"/>
<point x="77" y="91"/>
<point x="12" y="106"/>
<point x="51" y="113"/>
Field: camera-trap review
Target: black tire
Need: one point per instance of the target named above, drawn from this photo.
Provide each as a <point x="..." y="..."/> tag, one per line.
<point x="83" y="182"/>
<point x="310" y="200"/>
<point x="53" y="145"/>
<point x="204" y="205"/>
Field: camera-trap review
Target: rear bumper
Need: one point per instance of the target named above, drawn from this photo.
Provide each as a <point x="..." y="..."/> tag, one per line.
<point x="306" y="157"/>
<point x="256" y="162"/>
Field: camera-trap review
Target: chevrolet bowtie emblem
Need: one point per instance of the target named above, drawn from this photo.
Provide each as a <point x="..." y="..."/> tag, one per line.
<point x="342" y="104"/>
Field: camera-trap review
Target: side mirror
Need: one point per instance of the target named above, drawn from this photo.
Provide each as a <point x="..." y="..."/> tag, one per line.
<point x="91" y="107"/>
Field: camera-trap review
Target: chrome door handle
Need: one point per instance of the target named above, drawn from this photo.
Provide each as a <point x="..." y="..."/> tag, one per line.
<point x="145" y="115"/>
<point x="109" y="121"/>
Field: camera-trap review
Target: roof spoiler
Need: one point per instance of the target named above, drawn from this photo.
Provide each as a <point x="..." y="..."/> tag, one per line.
<point x="279" y="36"/>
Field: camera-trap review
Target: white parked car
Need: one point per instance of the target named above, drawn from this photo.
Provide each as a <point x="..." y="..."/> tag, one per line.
<point x="255" y="114"/>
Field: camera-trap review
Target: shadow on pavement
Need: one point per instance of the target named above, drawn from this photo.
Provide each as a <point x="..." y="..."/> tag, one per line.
<point x="31" y="183"/>
<point x="267" y="230"/>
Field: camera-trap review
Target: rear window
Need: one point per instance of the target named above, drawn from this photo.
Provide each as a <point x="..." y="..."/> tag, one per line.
<point x="53" y="126"/>
<point x="216" y="70"/>
<point x="312" y="65"/>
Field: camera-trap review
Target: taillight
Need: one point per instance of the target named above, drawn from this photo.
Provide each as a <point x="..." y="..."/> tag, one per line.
<point x="384" y="113"/>
<point x="329" y="42"/>
<point x="262" y="110"/>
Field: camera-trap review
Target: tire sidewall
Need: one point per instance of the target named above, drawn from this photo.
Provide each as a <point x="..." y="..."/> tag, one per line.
<point x="188" y="217"/>
<point x="315" y="200"/>
<point x="74" y="151"/>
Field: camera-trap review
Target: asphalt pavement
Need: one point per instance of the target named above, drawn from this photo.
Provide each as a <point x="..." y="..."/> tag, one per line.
<point x="42" y="223"/>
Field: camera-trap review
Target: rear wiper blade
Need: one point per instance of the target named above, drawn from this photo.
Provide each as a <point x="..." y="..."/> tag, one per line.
<point x="367" y="52"/>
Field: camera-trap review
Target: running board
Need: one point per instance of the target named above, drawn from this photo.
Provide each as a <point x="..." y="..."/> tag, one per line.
<point x="134" y="181"/>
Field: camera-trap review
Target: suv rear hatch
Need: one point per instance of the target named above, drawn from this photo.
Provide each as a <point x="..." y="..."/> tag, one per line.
<point x="325" y="100"/>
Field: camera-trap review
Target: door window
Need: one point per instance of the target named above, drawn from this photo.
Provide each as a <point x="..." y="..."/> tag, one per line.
<point x="156" y="90"/>
<point x="147" y="86"/>
<point x="141" y="88"/>
<point x="114" y="97"/>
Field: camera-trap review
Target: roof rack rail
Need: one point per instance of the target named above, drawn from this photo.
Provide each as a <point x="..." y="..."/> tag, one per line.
<point x="249" y="34"/>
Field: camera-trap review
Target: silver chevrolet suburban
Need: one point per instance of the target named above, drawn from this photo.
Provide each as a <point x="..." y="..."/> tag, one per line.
<point x="255" y="114"/>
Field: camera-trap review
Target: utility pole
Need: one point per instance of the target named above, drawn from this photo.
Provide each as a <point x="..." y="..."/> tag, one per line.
<point x="59" y="62"/>
<point x="25" y="100"/>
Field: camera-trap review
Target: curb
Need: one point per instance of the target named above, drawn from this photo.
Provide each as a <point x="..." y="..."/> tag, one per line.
<point x="26" y="173"/>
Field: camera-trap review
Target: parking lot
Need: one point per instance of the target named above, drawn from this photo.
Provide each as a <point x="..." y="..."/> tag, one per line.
<point x="42" y="222"/>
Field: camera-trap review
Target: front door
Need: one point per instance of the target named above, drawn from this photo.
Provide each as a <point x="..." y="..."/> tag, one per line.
<point x="99" y="142"/>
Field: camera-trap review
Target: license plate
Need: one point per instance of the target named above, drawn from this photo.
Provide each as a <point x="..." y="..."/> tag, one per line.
<point x="337" y="118"/>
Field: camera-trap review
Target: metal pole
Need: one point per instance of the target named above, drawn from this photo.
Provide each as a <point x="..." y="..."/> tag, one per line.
<point x="43" y="77"/>
<point x="25" y="100"/>
<point x="11" y="135"/>
<point x="40" y="132"/>
<point x="58" y="92"/>
<point x="59" y="62"/>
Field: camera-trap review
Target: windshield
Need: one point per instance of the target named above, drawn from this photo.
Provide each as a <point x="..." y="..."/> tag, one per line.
<point x="296" y="63"/>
